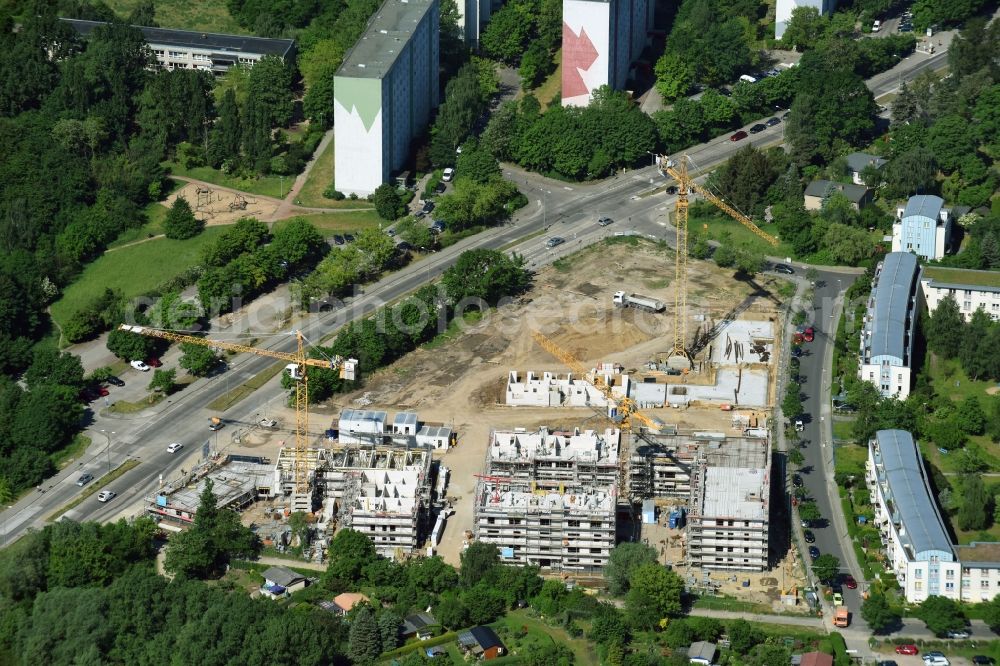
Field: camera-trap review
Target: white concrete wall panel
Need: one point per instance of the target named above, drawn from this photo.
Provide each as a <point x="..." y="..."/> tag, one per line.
<point x="586" y="50"/>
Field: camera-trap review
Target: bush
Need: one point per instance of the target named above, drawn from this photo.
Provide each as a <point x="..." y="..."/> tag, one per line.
<point x="331" y="193"/>
<point x="180" y="222"/>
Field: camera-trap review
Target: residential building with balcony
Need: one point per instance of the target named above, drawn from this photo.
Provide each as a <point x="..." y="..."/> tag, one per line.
<point x="889" y="327"/>
<point x="208" y="51"/>
<point x="970" y="289"/>
<point x="913" y="534"/>
<point x="923" y="227"/>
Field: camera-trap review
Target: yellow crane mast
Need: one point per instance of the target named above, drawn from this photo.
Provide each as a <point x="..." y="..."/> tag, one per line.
<point x="685" y="185"/>
<point x="298" y="364"/>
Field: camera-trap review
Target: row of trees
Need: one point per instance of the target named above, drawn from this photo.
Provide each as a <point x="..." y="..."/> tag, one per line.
<point x="975" y="343"/>
<point x="572" y="142"/>
<point x="479" y="279"/>
<point x="525" y="33"/>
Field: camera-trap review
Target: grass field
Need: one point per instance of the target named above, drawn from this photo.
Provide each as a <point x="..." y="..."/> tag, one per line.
<point x="155" y="214"/>
<point x="203" y="16"/>
<point x="539" y="632"/>
<point x="850" y="459"/>
<point x="320" y="178"/>
<point x="551" y="86"/>
<point x="338" y="223"/>
<point x="842" y="429"/>
<point x="268" y="186"/>
<point x="730" y="232"/>
<point x="160" y="260"/>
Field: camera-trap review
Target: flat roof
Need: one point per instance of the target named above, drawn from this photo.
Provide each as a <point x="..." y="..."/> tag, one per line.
<point x="984" y="554"/>
<point x="211" y="41"/>
<point x="892" y="303"/>
<point x="586" y="446"/>
<point x="495" y="497"/>
<point x="735" y="492"/>
<point x="911" y="492"/>
<point x="961" y="277"/>
<point x="387" y="34"/>
<point x="229" y="483"/>
<point x="924" y="205"/>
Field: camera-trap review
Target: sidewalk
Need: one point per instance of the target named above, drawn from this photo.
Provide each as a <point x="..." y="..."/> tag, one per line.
<point x="792" y="620"/>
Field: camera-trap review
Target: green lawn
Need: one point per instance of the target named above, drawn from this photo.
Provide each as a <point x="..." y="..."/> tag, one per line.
<point x="959" y="276"/>
<point x="203" y="16"/>
<point x="155" y="214"/>
<point x="320" y="178"/>
<point x="268" y="186"/>
<point x="551" y="86"/>
<point x="730" y="232"/>
<point x="949" y="379"/>
<point x="538" y="632"/>
<point x="842" y="429"/>
<point x="850" y="459"/>
<point x="337" y="223"/>
<point x="133" y="270"/>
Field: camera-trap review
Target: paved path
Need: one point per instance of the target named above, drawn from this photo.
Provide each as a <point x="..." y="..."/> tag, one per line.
<point x="793" y="620"/>
<point x="285" y="208"/>
<point x="286" y="562"/>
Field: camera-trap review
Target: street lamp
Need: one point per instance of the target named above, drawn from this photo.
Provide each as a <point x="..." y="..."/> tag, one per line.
<point x="105" y="433"/>
<point x="281" y="187"/>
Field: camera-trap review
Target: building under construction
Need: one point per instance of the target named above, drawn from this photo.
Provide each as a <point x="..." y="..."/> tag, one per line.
<point x="549" y="498"/>
<point x="729" y="506"/>
<point x="382" y="492"/>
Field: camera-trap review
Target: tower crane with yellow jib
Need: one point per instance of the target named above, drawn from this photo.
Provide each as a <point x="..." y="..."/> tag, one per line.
<point x="679" y="356"/>
<point x="298" y="367"/>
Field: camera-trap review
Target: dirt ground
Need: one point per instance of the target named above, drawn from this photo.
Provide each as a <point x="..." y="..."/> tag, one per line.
<point x="218" y="206"/>
<point x="461" y="382"/>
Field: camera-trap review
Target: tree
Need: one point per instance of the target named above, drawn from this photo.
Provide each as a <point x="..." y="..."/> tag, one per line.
<point x="485" y="274"/>
<point x="974" y="355"/>
<point x="991" y="614"/>
<point x="477" y="562"/>
<point x="180" y="222"/>
<point x="826" y="567"/>
<point x="388" y="203"/>
<point x="224" y="140"/>
<point x="477" y="164"/>
<point x="745" y="178"/>
<point x="911" y="171"/>
<point x="791" y="405"/>
<point x="318" y="102"/>
<point x="848" y="245"/>
<point x="364" y="642"/>
<point x="609" y="626"/>
<point x="971" y="416"/>
<point x="743" y="636"/>
<point x="795" y="457"/>
<point x="944" y="330"/>
<point x="804" y="28"/>
<point x="388" y="627"/>
<point x="198" y="360"/>
<point x="535" y="65"/>
<point x="674" y="75"/>
<point x="163" y="381"/>
<point x="654" y="595"/>
<point x="549" y="654"/>
<point x="976" y="512"/>
<point x="941" y="615"/>
<point x="129" y="346"/>
<point x="416" y="234"/>
<point x="625" y="558"/>
<point x="506" y="34"/>
<point x="50" y="366"/>
<point x="270" y="86"/>
<point x="878" y="614"/>
<point x="349" y="552"/>
<point x="809" y="512"/>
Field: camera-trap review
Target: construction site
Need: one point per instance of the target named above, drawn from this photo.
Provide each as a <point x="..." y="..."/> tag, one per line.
<point x="571" y="420"/>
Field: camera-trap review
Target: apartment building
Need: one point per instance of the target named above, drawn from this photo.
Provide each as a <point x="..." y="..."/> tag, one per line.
<point x="913" y="534"/>
<point x="784" y="9"/>
<point x="729" y="511"/>
<point x="980" y="571"/>
<point x="384" y="94"/>
<point x="922" y="227"/>
<point x="601" y="40"/>
<point x="970" y="289"/>
<point x="371" y="427"/>
<point x="887" y="335"/>
<point x="573" y="530"/>
<point x="207" y="51"/>
<point x="548" y="460"/>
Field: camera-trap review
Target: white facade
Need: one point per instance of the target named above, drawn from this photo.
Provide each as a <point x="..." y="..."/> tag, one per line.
<point x="970" y="289"/>
<point x="384" y="94"/>
<point x="784" y="8"/>
<point x="889" y="327"/>
<point x="554" y="390"/>
<point x="913" y="535"/>
<point x="980" y="571"/>
<point x="923" y="227"/>
<point x="601" y="40"/>
<point x="363" y="426"/>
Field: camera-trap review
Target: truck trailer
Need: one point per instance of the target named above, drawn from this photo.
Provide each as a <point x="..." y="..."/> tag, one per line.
<point x="625" y="300"/>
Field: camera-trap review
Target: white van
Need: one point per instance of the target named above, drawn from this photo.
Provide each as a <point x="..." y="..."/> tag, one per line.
<point x="876" y="25"/>
<point x="748" y="78"/>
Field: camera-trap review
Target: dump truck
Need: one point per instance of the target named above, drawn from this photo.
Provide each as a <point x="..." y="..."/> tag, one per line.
<point x="842" y="617"/>
<point x="626" y="300"/>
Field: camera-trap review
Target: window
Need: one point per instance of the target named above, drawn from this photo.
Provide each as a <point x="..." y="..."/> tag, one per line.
<point x="175" y="54"/>
<point x="966" y="305"/>
<point x="984" y="584"/>
<point x="949" y="586"/>
<point x="918" y="573"/>
<point x="918" y="586"/>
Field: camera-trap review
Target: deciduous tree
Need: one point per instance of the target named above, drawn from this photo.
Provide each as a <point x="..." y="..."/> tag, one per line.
<point x="625" y="558"/>
<point x="180" y="222"/>
<point x="878" y="614"/>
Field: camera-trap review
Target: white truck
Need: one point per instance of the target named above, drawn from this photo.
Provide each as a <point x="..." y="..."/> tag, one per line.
<point x="625" y="300"/>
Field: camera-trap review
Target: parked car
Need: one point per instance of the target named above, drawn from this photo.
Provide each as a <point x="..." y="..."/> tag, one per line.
<point x="887" y="662"/>
<point x="140" y="366"/>
<point x="876" y="26"/>
<point x="106" y="495"/>
<point x="809" y="536"/>
<point x="784" y="269"/>
<point x="813" y="552"/>
<point x="672" y="189"/>
<point x="448" y="174"/>
<point x="838" y="599"/>
<point x="554" y="241"/>
<point x="937" y="661"/>
<point x="175" y="447"/>
<point x="959" y="635"/>
<point x="771" y="122"/>
<point x="437" y="227"/>
<point x="796" y="480"/>
<point x="933" y="654"/>
<point x="758" y="128"/>
<point x="907" y="648"/>
<point x="850" y="583"/>
<point x="84" y="479"/>
<point x="349" y="238"/>
<point x="739" y="136"/>
<point x="983" y="660"/>
<point x="440" y="188"/>
<point x="428" y="206"/>
<point x="799" y="426"/>
<point x="114" y="381"/>
<point x="604" y="221"/>
<point x="338" y="239"/>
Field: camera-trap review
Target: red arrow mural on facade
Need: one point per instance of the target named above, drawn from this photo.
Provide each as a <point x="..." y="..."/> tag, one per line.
<point x="578" y="54"/>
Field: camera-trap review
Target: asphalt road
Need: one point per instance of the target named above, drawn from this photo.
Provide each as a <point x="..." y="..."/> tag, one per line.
<point x="555" y="208"/>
